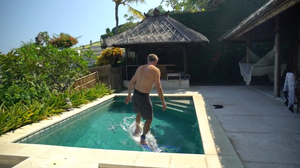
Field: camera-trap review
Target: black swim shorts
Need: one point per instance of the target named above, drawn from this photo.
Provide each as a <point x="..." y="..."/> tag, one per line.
<point x="142" y="104"/>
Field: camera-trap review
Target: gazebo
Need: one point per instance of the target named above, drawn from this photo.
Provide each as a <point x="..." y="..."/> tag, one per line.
<point x="157" y="32"/>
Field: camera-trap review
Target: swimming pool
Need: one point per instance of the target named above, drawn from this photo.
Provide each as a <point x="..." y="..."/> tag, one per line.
<point x="105" y="125"/>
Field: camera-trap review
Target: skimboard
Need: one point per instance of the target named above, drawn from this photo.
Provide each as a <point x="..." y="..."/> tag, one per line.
<point x="150" y="140"/>
<point x="151" y="143"/>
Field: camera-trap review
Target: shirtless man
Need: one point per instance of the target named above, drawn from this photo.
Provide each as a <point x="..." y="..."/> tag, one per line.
<point x="144" y="77"/>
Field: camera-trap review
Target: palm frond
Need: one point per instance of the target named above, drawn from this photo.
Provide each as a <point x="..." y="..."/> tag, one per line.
<point x="135" y="12"/>
<point x="136" y="1"/>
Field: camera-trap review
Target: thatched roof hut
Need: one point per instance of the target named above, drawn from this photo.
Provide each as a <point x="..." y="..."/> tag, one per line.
<point x="156" y="30"/>
<point x="260" y="22"/>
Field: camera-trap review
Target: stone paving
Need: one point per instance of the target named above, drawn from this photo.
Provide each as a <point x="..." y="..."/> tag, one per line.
<point x="264" y="133"/>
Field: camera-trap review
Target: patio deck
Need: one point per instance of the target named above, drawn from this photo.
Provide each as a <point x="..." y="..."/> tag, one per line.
<point x="264" y="133"/>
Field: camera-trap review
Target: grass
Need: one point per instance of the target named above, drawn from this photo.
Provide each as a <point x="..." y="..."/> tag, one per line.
<point x="97" y="43"/>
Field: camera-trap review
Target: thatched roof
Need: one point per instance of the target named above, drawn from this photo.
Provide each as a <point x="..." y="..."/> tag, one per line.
<point x="263" y="14"/>
<point x="153" y="30"/>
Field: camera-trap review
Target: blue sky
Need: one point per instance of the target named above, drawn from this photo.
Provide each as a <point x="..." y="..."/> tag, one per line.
<point x="22" y="20"/>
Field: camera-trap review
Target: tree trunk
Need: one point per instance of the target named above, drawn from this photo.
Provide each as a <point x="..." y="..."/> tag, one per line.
<point x="117" y="18"/>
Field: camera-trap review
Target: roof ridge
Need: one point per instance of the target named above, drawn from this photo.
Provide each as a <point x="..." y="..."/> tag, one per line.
<point x="179" y="30"/>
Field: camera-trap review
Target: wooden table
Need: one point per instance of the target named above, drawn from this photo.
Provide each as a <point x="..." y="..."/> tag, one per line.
<point x="163" y="69"/>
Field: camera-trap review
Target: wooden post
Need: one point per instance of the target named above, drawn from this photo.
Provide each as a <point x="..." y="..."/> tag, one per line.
<point x="126" y="57"/>
<point x="248" y="48"/>
<point x="184" y="62"/>
<point x="277" y="64"/>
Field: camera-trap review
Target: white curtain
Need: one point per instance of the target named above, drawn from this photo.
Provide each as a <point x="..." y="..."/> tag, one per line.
<point x="259" y="66"/>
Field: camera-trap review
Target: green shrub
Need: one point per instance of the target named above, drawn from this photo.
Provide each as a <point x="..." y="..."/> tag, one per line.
<point x="110" y="56"/>
<point x="63" y="40"/>
<point x="33" y="71"/>
<point x="35" y="82"/>
<point x="32" y="111"/>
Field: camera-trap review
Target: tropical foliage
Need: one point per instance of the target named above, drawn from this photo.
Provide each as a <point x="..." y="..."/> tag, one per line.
<point x="32" y="111"/>
<point x="160" y="8"/>
<point x="37" y="79"/>
<point x="112" y="56"/>
<point x="130" y="9"/>
<point x="201" y="5"/>
<point x="129" y="24"/>
<point x="42" y="38"/>
<point x="193" y="5"/>
<point x="32" y="72"/>
<point x="63" y="40"/>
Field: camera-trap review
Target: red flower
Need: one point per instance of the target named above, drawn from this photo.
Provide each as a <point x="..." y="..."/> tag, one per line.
<point x="28" y="48"/>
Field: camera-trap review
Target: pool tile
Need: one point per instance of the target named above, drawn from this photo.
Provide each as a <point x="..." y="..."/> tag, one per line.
<point x="44" y="123"/>
<point x="11" y="137"/>
<point x="202" y="119"/>
<point x="59" y="162"/>
<point x="187" y="160"/>
<point x="96" y="156"/>
<point x="213" y="161"/>
<point x="112" y="165"/>
<point x="83" y="165"/>
<point x="34" y="150"/>
<point x="2" y="143"/>
<point x="80" y="153"/>
<point x="204" y="129"/>
<point x="152" y="159"/>
<point x="33" y="162"/>
<point x="11" y="148"/>
<point x="120" y="157"/>
<point x="209" y="148"/>
<point x="200" y="110"/>
<point x="206" y="137"/>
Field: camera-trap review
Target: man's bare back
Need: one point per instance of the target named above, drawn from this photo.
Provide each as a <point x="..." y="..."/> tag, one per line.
<point x="146" y="76"/>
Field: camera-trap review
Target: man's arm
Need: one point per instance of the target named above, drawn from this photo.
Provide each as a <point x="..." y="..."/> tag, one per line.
<point x="159" y="89"/>
<point x="132" y="81"/>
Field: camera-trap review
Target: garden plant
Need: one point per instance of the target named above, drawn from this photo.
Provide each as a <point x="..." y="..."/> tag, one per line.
<point x="37" y="79"/>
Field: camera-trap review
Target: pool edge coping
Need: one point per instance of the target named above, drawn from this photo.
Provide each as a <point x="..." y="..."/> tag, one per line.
<point x="218" y="151"/>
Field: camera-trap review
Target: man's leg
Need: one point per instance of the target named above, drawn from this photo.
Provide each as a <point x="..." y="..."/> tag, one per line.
<point x="137" y="121"/>
<point x="146" y="130"/>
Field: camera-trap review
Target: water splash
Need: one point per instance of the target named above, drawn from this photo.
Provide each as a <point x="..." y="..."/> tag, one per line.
<point x="128" y="124"/>
<point x="125" y="123"/>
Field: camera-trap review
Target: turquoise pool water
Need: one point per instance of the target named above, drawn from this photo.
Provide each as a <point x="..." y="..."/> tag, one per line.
<point x="105" y="126"/>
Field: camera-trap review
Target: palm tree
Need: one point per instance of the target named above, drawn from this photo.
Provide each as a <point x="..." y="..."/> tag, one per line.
<point x="42" y="38"/>
<point x="130" y="10"/>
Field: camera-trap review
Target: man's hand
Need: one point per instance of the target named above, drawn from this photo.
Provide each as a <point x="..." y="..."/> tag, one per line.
<point x="128" y="99"/>
<point x="164" y="106"/>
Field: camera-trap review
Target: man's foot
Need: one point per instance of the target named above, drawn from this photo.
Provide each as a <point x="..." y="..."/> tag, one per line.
<point x="143" y="142"/>
<point x="137" y="130"/>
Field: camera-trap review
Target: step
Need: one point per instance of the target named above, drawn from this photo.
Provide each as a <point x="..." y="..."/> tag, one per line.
<point x="178" y="110"/>
<point x="183" y="106"/>
<point x="183" y="102"/>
